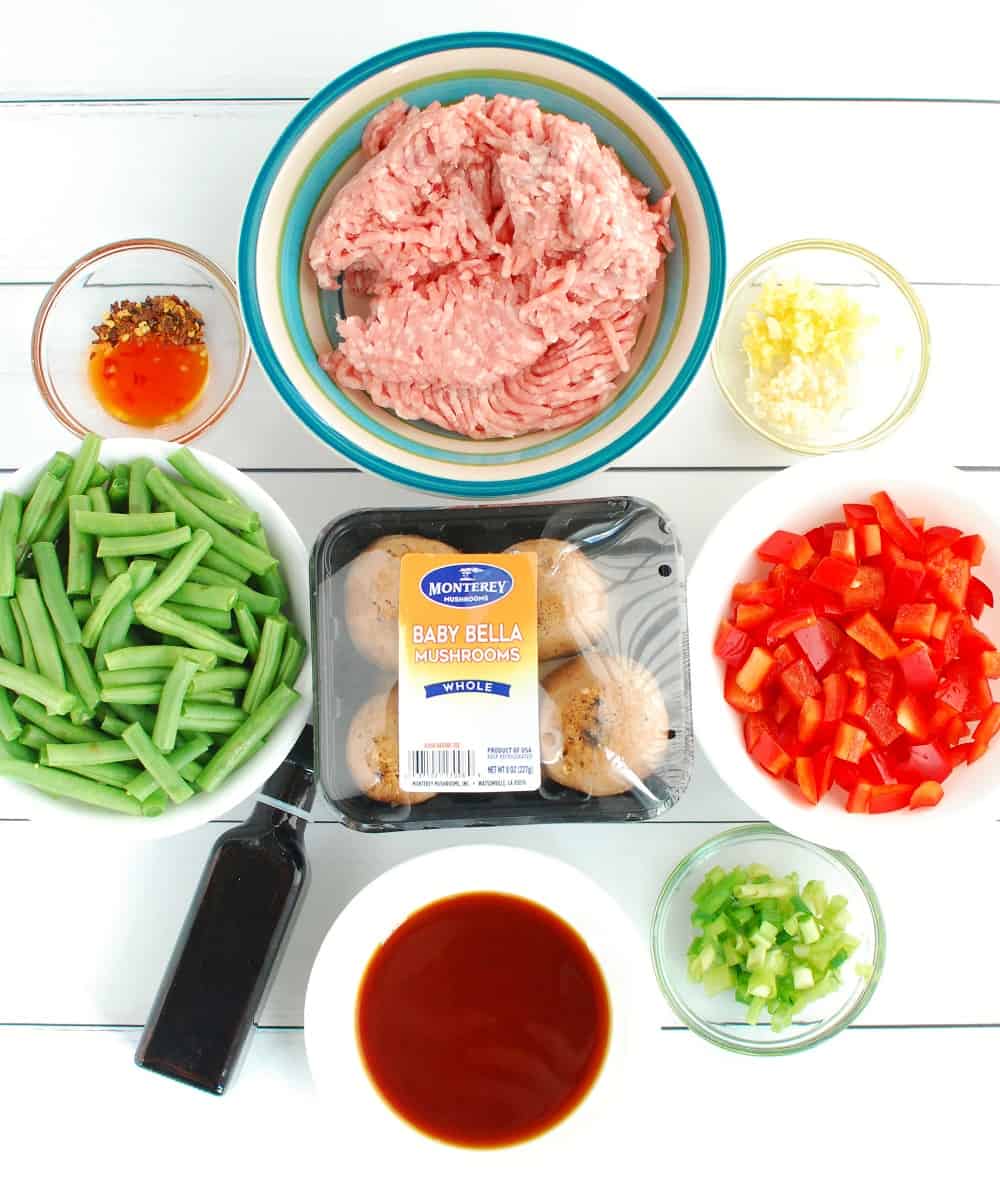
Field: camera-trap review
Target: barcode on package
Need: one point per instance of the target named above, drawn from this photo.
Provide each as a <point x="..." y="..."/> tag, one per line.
<point x="435" y="765"/>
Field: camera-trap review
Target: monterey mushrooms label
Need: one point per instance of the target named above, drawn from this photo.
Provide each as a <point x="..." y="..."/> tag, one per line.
<point x="468" y="672"/>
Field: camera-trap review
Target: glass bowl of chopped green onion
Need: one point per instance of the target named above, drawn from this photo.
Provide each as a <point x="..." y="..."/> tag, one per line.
<point x="766" y="944"/>
<point x="822" y="346"/>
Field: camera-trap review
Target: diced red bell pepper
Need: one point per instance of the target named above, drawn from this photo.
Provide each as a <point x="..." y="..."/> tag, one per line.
<point x="988" y="728"/>
<point x="915" y="621"/>
<point x="959" y="755"/>
<point x="941" y="717"/>
<point x="919" y="672"/>
<point x="955" y="732"/>
<point x="834" y="698"/>
<point x="884" y="799"/>
<point x="821" y="538"/>
<point x="905" y="582"/>
<point x="781" y="708"/>
<point x="878" y="769"/>
<point x="753" y="726"/>
<point x="980" y="699"/>
<point x="755" y="670"/>
<point x="810" y="719"/>
<point x="979" y="597"/>
<point x="892" y="555"/>
<point x="805" y="776"/>
<point x="939" y="630"/>
<point x="784" y="626"/>
<point x="857" y="702"/>
<point x="867" y="591"/>
<point x="941" y="536"/>
<point x="881" y="722"/>
<point x="912" y="718"/>
<point x="897" y="524"/>
<point x="770" y="755"/>
<point x="937" y="562"/>
<point x="843" y="546"/>
<point x="953" y="586"/>
<point x="752" y="615"/>
<point x="919" y="523"/>
<point x="786" y="549"/>
<point x="869" y="539"/>
<point x="857" y="514"/>
<point x="990" y="663"/>
<point x="732" y="645"/>
<point x="857" y="676"/>
<point x="870" y="634"/>
<point x="954" y="691"/>
<point x="823" y="765"/>
<point x="849" y="743"/>
<point x="927" y="794"/>
<point x="952" y="643"/>
<point x="742" y="700"/>
<point x="758" y="591"/>
<point x="925" y="762"/>
<point x="799" y="682"/>
<point x="973" y="643"/>
<point x="972" y="548"/>
<point x="881" y="679"/>
<point x="785" y="654"/>
<point x="859" y="798"/>
<point x="818" y="643"/>
<point x="834" y="575"/>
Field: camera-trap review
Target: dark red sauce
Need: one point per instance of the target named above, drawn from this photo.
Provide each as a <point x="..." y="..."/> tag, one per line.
<point x="483" y="1020"/>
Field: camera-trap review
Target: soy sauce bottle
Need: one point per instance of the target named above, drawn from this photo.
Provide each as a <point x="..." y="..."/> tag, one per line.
<point x="229" y="945"/>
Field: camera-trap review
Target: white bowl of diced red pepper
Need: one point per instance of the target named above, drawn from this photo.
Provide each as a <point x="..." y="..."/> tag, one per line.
<point x="843" y="648"/>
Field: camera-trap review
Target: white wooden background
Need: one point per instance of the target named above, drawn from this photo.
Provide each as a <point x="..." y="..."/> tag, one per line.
<point x="118" y="121"/>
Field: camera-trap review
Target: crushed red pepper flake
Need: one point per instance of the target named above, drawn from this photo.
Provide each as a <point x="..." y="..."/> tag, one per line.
<point x="168" y="317"/>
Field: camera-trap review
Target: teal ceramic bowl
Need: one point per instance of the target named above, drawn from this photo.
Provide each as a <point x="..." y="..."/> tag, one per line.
<point x="291" y="321"/>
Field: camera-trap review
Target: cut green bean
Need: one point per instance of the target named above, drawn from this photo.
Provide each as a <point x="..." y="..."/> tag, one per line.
<point x="248" y="629"/>
<point x="168" y="623"/>
<point x="113" y="566"/>
<point x="138" y="696"/>
<point x="147" y="676"/>
<point x="124" y="524"/>
<point x="114" y="634"/>
<point x="247" y="739"/>
<point x="186" y="753"/>
<point x="10" y="726"/>
<point x="221" y="621"/>
<point x="101" y="582"/>
<point x="37" y="511"/>
<point x="225" y="542"/>
<point x="265" y="671"/>
<point x="55" y="699"/>
<point x="81" y="670"/>
<point x="259" y="603"/>
<point x="77" y="481"/>
<point x="80" y="562"/>
<point x="168" y="714"/>
<point x="102" y="752"/>
<point x="115" y="774"/>
<point x="213" y="560"/>
<point x="54" y="725"/>
<point x="272" y="581"/>
<point x="114" y="726"/>
<point x="118" y="488"/>
<point x="133" y="714"/>
<point x="10" y="639"/>
<point x="155" y="805"/>
<point x="100" y="475"/>
<point x="229" y="515"/>
<point x="211" y="717"/>
<point x="13" y="750"/>
<point x="119" y="589"/>
<point x="224" y="678"/>
<point x="10" y="524"/>
<point x="188" y="465"/>
<point x="36" y="738"/>
<point x="41" y="631"/>
<point x="27" y="651"/>
<point x="156" y="764"/>
<point x="64" y="785"/>
<point x="83" y="609"/>
<point x="139" y="499"/>
<point x="159" y="657"/>
<point x="292" y="659"/>
<point x="225" y="698"/>
<point x="54" y="593"/>
<point x="176" y="574"/>
<point x="139" y="546"/>
<point x="217" y="598"/>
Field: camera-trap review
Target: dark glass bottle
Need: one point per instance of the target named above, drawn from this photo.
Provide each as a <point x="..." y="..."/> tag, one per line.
<point x="229" y="945"/>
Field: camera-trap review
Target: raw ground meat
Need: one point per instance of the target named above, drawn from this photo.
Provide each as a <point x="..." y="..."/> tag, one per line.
<point x="508" y="257"/>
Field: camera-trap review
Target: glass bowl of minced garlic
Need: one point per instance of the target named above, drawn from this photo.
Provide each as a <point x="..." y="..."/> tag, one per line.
<point x="822" y="346"/>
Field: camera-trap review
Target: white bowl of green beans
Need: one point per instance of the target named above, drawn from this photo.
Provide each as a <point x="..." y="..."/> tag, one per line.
<point x="154" y="663"/>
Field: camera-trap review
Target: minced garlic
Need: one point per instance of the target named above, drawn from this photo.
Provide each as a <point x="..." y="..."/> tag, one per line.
<point x="800" y="340"/>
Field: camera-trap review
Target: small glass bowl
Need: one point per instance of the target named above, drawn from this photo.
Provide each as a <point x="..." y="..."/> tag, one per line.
<point x="889" y="377"/>
<point x="131" y="270"/>
<point x="721" y="1019"/>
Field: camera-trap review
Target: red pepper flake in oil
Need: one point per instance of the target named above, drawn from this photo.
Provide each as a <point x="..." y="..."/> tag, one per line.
<point x="148" y="362"/>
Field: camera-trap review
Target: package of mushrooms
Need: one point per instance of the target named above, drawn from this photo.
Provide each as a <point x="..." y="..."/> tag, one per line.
<point x="501" y="664"/>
